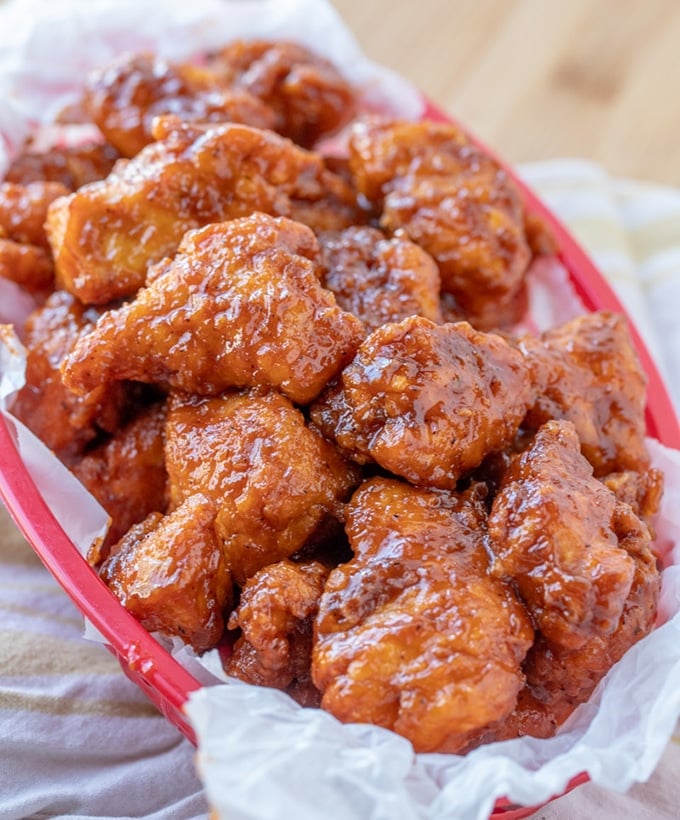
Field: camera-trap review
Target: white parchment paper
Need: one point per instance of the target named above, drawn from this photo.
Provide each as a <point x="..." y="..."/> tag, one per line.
<point x="262" y="756"/>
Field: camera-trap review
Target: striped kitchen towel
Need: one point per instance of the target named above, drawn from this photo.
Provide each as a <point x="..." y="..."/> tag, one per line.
<point x="77" y="738"/>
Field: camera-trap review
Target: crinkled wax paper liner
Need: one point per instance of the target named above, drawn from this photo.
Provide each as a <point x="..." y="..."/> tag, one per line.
<point x="261" y="755"/>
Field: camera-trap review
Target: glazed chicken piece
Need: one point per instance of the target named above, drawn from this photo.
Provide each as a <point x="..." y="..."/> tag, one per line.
<point x="272" y="479"/>
<point x="559" y="679"/>
<point x="539" y="236"/>
<point x="412" y="633"/>
<point x="168" y="571"/>
<point x="65" y="422"/>
<point x="106" y="234"/>
<point x="379" y="280"/>
<point x="275" y="615"/>
<point x="25" y="257"/>
<point x="427" y="402"/>
<point x="124" y="97"/>
<point x="23" y="210"/>
<point x="308" y="94"/>
<point x="28" y="266"/>
<point x="551" y="531"/>
<point x="431" y="183"/>
<point x="240" y="305"/>
<point x="70" y="167"/>
<point x="641" y="491"/>
<point x="127" y="475"/>
<point x="590" y="375"/>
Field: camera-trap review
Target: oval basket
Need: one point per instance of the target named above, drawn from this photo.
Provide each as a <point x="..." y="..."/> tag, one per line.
<point x="142" y="658"/>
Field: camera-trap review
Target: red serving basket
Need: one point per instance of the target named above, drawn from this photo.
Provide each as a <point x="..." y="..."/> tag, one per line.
<point x="143" y="659"/>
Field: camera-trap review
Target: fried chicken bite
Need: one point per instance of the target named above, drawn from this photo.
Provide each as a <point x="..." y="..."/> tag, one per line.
<point x="641" y="491"/>
<point x="273" y="480"/>
<point x="412" y="634"/>
<point x="432" y="184"/>
<point x="240" y="305"/>
<point x="589" y="374"/>
<point x="169" y="572"/>
<point x="558" y="679"/>
<point x="307" y="92"/>
<point x="552" y="535"/>
<point x="539" y="236"/>
<point x="28" y="266"/>
<point x="275" y="615"/>
<point x="127" y="475"/>
<point x="69" y="166"/>
<point x="379" y="280"/>
<point x="65" y="422"/>
<point x="23" y="210"/>
<point x="123" y="98"/>
<point x="427" y="402"/>
<point x="106" y="235"/>
<point x="25" y="257"/>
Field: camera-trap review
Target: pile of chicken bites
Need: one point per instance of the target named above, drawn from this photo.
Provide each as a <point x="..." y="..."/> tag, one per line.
<point x="291" y="379"/>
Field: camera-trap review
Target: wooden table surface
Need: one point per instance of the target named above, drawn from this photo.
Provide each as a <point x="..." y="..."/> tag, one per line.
<point x="539" y="79"/>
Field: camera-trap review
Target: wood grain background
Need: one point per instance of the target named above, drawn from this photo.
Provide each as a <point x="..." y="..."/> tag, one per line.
<point x="539" y="79"/>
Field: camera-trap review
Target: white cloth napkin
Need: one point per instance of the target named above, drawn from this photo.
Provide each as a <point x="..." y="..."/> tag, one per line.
<point x="78" y="740"/>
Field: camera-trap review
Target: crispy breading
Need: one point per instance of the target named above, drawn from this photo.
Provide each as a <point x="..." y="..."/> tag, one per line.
<point x="106" y="234"/>
<point x="239" y="306"/>
<point x="431" y="183"/>
<point x="309" y="95"/>
<point x="125" y="96"/>
<point x="127" y="475"/>
<point x="551" y="532"/>
<point x="378" y="279"/>
<point x="23" y="210"/>
<point x="412" y="633"/>
<point x="28" y="266"/>
<point x="427" y="402"/>
<point x="559" y="679"/>
<point x="275" y="615"/>
<point x="273" y="479"/>
<point x="169" y="572"/>
<point x="71" y="166"/>
<point x="67" y="423"/>
<point x="590" y="374"/>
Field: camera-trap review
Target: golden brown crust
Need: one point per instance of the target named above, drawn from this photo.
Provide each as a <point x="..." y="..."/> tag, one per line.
<point x="559" y="679"/>
<point x="127" y="475"/>
<point x="412" y="634"/>
<point x="275" y="614"/>
<point x="642" y="491"/>
<point x="430" y="182"/>
<point x="23" y="210"/>
<point x="199" y="252"/>
<point x="106" y="235"/>
<point x="310" y="97"/>
<point x="551" y="531"/>
<point x="427" y="402"/>
<point x="589" y="374"/>
<point x="70" y="166"/>
<point x="65" y="422"/>
<point x="28" y="266"/>
<point x="378" y="279"/>
<point x="273" y="480"/>
<point x="168" y="571"/>
<point x="124" y="97"/>
<point x="239" y="306"/>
